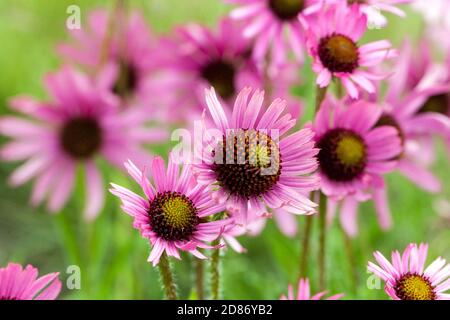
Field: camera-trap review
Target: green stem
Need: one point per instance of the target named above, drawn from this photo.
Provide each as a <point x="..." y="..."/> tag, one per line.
<point x="339" y="88"/>
<point x="74" y="246"/>
<point x="199" y="279"/>
<point x="215" y="272"/>
<point x="305" y="247"/>
<point x="69" y="237"/>
<point x="167" y="277"/>
<point x="320" y="96"/>
<point x="322" y="239"/>
<point x="351" y="259"/>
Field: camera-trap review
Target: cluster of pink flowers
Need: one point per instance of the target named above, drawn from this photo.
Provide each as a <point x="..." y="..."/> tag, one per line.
<point x="120" y="90"/>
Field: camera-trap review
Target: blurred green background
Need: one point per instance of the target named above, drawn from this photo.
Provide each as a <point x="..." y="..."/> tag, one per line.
<point x="111" y="254"/>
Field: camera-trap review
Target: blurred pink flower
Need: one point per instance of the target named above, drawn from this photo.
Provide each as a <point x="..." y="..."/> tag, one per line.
<point x="417" y="105"/>
<point x="406" y="277"/>
<point x="275" y="26"/>
<point x="173" y="215"/>
<point x="201" y="58"/>
<point x="123" y="48"/>
<point x="332" y="41"/>
<point x="77" y="125"/>
<point x="415" y="70"/>
<point x="353" y="158"/>
<point x="17" y="283"/>
<point x="270" y="171"/>
<point x="304" y="293"/>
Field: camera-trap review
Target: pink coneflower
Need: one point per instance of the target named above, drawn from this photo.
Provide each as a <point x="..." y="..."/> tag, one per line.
<point x="406" y="277"/>
<point x="120" y="44"/>
<point x="75" y="127"/>
<point x="412" y="126"/>
<point x="222" y="59"/>
<point x="17" y="283"/>
<point x="353" y="156"/>
<point x="440" y="103"/>
<point x="275" y="26"/>
<point x="304" y="293"/>
<point x="419" y="110"/>
<point x="332" y="40"/>
<point x="173" y="215"/>
<point x="250" y="165"/>
<point x="414" y="69"/>
<point x="201" y="58"/>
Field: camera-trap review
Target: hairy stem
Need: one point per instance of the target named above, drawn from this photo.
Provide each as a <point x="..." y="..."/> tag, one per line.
<point x="305" y="247"/>
<point x="215" y="272"/>
<point x="167" y="279"/>
<point x="199" y="279"/>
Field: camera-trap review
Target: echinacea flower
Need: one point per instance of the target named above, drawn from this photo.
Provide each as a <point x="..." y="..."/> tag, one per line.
<point x="201" y="58"/>
<point x="79" y="124"/>
<point x="445" y="106"/>
<point x="275" y="27"/>
<point x="354" y="156"/>
<point x="407" y="278"/>
<point x="173" y="215"/>
<point x="304" y="293"/>
<point x="121" y="45"/>
<point x="413" y="126"/>
<point x="17" y="283"/>
<point x="414" y="69"/>
<point x="250" y="165"/>
<point x="437" y="104"/>
<point x="332" y="40"/>
<point x="220" y="58"/>
<point x="419" y="110"/>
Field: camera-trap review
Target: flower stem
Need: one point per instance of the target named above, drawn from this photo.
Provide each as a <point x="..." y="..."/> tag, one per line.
<point x="199" y="279"/>
<point x="305" y="247"/>
<point x="167" y="277"/>
<point x="351" y="259"/>
<point x="320" y="96"/>
<point x="69" y="238"/>
<point x="322" y="239"/>
<point x="215" y="272"/>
